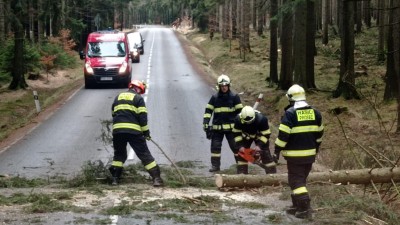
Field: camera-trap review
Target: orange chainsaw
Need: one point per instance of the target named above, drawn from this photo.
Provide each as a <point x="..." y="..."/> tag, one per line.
<point x="253" y="156"/>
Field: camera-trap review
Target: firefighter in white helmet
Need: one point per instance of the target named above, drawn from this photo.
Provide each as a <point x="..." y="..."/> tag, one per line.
<point x="222" y="108"/>
<point x="299" y="138"/>
<point x="252" y="126"/>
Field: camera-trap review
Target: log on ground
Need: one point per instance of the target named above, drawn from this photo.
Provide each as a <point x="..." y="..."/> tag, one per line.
<point x="361" y="176"/>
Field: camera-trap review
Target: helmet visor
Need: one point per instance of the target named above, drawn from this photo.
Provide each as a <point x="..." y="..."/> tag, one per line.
<point x="247" y="120"/>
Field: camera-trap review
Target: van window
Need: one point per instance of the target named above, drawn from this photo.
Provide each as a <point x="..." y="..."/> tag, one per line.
<point x="106" y="49"/>
<point x="135" y="38"/>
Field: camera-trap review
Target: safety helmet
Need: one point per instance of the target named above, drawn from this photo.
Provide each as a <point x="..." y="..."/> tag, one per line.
<point x="247" y="115"/>
<point x="296" y="93"/>
<point x="224" y="80"/>
<point x="139" y="86"/>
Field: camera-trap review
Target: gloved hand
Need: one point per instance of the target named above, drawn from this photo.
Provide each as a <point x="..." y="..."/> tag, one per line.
<point x="205" y="127"/>
<point x="275" y="157"/>
<point x="209" y="134"/>
<point x="146" y="134"/>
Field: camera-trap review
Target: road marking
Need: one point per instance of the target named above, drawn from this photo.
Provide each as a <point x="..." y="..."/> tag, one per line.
<point x="114" y="218"/>
<point x="117" y="202"/>
<point x="149" y="69"/>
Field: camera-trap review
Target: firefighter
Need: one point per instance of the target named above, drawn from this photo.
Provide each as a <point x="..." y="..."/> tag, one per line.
<point x="299" y="138"/>
<point x="223" y="108"/>
<point x="129" y="114"/>
<point x="252" y="126"/>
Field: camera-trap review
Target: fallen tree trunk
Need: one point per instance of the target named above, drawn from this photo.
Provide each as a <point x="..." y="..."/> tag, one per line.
<point x="362" y="176"/>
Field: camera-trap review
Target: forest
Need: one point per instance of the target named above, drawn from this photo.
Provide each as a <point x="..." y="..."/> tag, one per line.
<point x="294" y="24"/>
<point x="43" y="35"/>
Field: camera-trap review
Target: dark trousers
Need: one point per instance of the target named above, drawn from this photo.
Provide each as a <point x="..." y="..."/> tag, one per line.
<point x="297" y="178"/>
<point x="138" y="144"/>
<point x="216" y="144"/>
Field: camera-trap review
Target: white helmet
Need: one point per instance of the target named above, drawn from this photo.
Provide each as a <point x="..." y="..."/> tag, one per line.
<point x="224" y="80"/>
<point x="247" y="115"/>
<point x="296" y="93"/>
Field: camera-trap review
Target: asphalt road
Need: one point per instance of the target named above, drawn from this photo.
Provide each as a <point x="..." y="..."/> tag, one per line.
<point x="176" y="97"/>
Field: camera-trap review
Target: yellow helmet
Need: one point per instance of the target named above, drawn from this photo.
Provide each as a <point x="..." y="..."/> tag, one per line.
<point x="247" y="115"/>
<point x="223" y="80"/>
<point x="296" y="93"/>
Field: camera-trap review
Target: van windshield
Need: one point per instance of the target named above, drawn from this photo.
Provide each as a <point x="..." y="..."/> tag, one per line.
<point x="106" y="49"/>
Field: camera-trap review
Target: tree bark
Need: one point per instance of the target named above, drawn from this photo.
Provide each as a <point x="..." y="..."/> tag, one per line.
<point x="260" y="17"/>
<point x="2" y="22"/>
<point x="346" y="86"/>
<point x="392" y="74"/>
<point x="286" y="78"/>
<point x="18" y="70"/>
<point x="325" y="23"/>
<point x="381" y="37"/>
<point x="300" y="43"/>
<point x="311" y="51"/>
<point x="225" y="20"/>
<point x="273" y="54"/>
<point x="234" y="19"/>
<point x="362" y="176"/>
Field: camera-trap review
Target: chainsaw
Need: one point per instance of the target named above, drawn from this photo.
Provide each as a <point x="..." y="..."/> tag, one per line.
<point x="253" y="156"/>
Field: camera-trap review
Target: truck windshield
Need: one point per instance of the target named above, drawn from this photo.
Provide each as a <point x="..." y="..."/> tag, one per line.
<point x="106" y="49"/>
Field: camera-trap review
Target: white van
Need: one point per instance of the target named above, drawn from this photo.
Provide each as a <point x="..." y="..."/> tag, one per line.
<point x="136" y="41"/>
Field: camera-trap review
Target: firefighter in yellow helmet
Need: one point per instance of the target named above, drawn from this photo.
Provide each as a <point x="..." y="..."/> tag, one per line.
<point x="252" y="126"/>
<point x="222" y="108"/>
<point x="129" y="114"/>
<point x="299" y="138"/>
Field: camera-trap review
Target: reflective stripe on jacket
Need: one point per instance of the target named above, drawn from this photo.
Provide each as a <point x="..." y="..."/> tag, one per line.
<point x="129" y="113"/>
<point x="300" y="134"/>
<point x="223" y="108"/>
<point x="258" y="130"/>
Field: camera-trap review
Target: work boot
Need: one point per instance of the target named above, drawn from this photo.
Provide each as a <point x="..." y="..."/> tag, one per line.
<point x="214" y="169"/>
<point x="270" y="170"/>
<point x="304" y="210"/>
<point x="158" y="182"/>
<point x="115" y="174"/>
<point x="292" y="209"/>
<point x="114" y="181"/>
<point x="242" y="169"/>
<point x="155" y="174"/>
<point x="215" y="164"/>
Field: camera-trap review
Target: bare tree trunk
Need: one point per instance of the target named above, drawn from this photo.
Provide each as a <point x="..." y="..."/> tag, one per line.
<point x="224" y="20"/>
<point x="246" y="26"/>
<point x="367" y="13"/>
<point x="310" y="45"/>
<point x="2" y="23"/>
<point x="391" y="88"/>
<point x="299" y="43"/>
<point x="325" y="23"/>
<point x="273" y="49"/>
<point x="63" y="12"/>
<point x="346" y="86"/>
<point x="40" y="24"/>
<point x="381" y="24"/>
<point x="18" y="70"/>
<point x="362" y="176"/>
<point x="286" y="78"/>
<point x="260" y="17"/>
<point x="254" y="9"/>
<point x="396" y="56"/>
<point x="234" y="19"/>
<point x="358" y="16"/>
